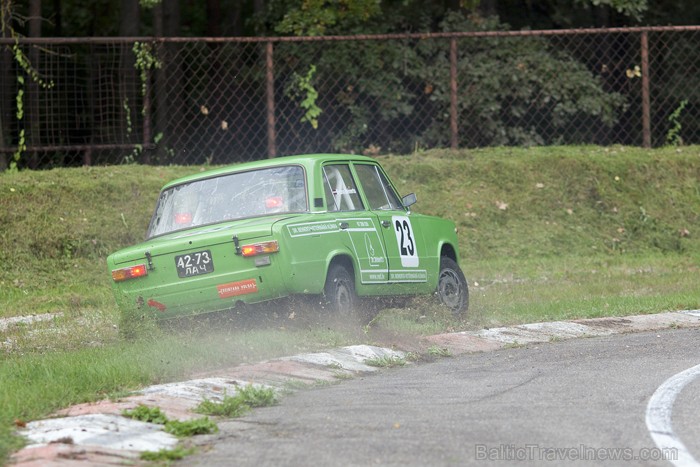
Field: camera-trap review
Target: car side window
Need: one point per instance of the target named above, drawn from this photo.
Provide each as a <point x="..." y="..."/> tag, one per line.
<point x="340" y="189"/>
<point x="378" y="190"/>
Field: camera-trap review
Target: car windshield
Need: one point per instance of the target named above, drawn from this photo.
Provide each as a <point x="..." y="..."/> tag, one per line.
<point x="230" y="197"/>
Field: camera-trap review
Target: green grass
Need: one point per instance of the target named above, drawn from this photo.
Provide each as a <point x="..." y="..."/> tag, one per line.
<point x="166" y="456"/>
<point x="181" y="429"/>
<point x="246" y="398"/>
<point x="144" y="413"/>
<point x="386" y="361"/>
<point x="545" y="234"/>
<point x="437" y="351"/>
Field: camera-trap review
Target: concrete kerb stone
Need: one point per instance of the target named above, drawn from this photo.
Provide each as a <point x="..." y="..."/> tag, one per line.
<point x="535" y="333"/>
<point x="6" y="323"/>
<point x="93" y="434"/>
<point x="107" y="431"/>
<point x="68" y="455"/>
<point x="96" y="434"/>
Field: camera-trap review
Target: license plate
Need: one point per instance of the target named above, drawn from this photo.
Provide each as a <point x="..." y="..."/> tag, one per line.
<point x="194" y="264"/>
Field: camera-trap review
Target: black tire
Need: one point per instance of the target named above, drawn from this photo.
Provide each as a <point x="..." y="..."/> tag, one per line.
<point x="452" y="289"/>
<point x="339" y="291"/>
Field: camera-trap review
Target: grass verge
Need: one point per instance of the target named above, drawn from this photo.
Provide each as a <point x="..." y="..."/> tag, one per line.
<point x="546" y="234"/>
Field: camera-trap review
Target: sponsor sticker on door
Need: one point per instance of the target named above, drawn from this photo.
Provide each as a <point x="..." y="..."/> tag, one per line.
<point x="234" y="289"/>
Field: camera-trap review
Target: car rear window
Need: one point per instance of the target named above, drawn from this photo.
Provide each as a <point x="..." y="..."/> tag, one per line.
<point x="229" y="197"/>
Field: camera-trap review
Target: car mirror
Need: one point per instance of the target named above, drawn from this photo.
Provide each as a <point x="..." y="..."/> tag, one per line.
<point x="409" y="200"/>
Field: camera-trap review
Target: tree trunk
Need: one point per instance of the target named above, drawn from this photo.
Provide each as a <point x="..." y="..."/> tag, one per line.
<point x="130" y="18"/>
<point x="57" y="19"/>
<point x="168" y="92"/>
<point x="130" y="102"/>
<point x="213" y="18"/>
<point x="32" y="101"/>
<point x="488" y="7"/>
<point x="5" y="77"/>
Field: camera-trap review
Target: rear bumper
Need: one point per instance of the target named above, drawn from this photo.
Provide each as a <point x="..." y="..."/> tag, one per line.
<point x="207" y="293"/>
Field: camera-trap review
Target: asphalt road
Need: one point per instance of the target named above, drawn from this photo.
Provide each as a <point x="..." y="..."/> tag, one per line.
<point x="578" y="402"/>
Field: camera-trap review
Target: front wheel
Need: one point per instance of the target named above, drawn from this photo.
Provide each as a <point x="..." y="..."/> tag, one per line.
<point x="452" y="289"/>
<point x="339" y="291"/>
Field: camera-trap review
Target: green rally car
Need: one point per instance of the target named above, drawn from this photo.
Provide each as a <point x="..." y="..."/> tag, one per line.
<point x="326" y="225"/>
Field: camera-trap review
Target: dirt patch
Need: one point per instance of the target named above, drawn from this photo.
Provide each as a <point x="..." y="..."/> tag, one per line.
<point x="605" y="322"/>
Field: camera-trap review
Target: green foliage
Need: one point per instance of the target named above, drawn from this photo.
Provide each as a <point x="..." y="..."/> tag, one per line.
<point x="144" y="413"/>
<point x="673" y="137"/>
<point x="167" y="455"/>
<point x="631" y="8"/>
<point x="370" y="88"/>
<point x="509" y="79"/>
<point x="229" y="407"/>
<point x="300" y="87"/>
<point x="26" y="67"/>
<point x="437" y="351"/>
<point x="148" y="4"/>
<point x="181" y="429"/>
<point x="145" y="62"/>
<point x="386" y="361"/>
<point x="245" y="399"/>
<point x="317" y="17"/>
<point x="255" y="396"/>
<point x="187" y="428"/>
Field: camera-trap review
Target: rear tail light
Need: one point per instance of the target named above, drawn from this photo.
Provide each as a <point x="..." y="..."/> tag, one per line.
<point x="132" y="272"/>
<point x="260" y="248"/>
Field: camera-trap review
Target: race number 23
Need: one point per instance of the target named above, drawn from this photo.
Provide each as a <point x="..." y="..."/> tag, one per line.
<point x="406" y="241"/>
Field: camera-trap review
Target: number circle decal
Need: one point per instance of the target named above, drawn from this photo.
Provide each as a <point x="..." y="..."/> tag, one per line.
<point x="406" y="241"/>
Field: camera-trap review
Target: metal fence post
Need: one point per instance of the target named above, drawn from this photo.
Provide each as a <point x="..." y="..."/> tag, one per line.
<point x="646" y="110"/>
<point x="270" y="93"/>
<point x="454" y="128"/>
<point x="147" y="119"/>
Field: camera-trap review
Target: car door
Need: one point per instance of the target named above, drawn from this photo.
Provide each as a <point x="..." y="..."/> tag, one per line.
<point x="361" y="226"/>
<point x="403" y="240"/>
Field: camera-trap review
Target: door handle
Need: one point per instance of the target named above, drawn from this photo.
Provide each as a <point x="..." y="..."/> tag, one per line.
<point x="344" y="225"/>
<point x="386" y="224"/>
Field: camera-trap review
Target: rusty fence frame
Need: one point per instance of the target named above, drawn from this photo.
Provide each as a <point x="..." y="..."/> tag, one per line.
<point x="270" y="104"/>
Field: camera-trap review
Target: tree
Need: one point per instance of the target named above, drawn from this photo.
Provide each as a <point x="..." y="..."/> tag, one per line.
<point x="34" y="136"/>
<point x="5" y="77"/>
<point x="320" y="17"/>
<point x="514" y="91"/>
<point x="130" y="18"/>
<point x="168" y="84"/>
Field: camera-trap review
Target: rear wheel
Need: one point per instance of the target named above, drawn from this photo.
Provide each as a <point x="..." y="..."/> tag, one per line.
<point x="452" y="289"/>
<point x="339" y="291"/>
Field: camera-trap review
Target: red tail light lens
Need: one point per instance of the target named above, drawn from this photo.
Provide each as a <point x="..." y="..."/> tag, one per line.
<point x="131" y="272"/>
<point x="260" y="248"/>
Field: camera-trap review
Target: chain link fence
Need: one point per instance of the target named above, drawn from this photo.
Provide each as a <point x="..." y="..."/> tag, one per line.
<point x="220" y="100"/>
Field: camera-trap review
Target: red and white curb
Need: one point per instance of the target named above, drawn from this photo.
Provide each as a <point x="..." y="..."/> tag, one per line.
<point x="497" y="338"/>
<point x="96" y="434"/>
